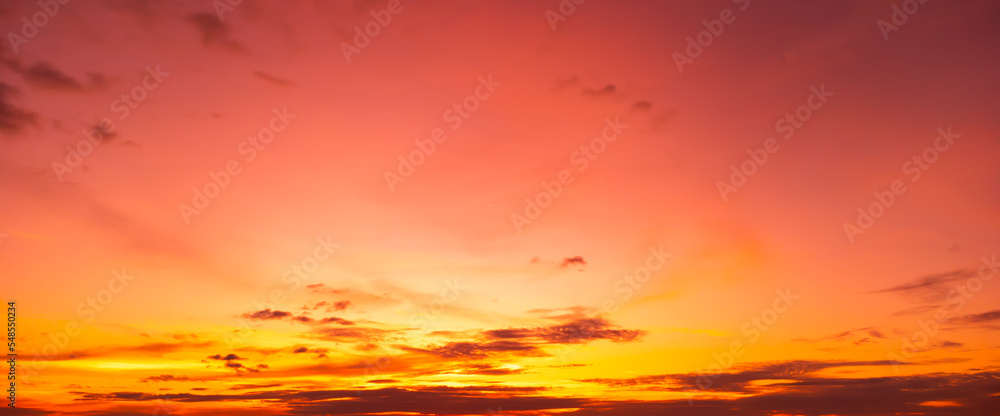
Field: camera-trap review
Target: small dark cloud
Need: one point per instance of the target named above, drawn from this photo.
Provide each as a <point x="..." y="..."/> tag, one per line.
<point x="479" y="350"/>
<point x="341" y="305"/>
<point x="929" y="288"/>
<point x="383" y="381"/>
<point x="254" y="386"/>
<point x="642" y="106"/>
<point x="607" y="90"/>
<point x="281" y="82"/>
<point x="13" y="120"/>
<point x="574" y="332"/>
<point x="227" y="357"/>
<point x="335" y="320"/>
<point x="167" y="377"/>
<point x="46" y="76"/>
<point x="267" y="314"/>
<point x="214" y="32"/>
<point x="979" y="318"/>
<point x="301" y="350"/>
<point x="570" y="261"/>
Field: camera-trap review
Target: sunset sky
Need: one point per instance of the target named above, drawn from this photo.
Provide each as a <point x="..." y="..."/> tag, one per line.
<point x="437" y="207"/>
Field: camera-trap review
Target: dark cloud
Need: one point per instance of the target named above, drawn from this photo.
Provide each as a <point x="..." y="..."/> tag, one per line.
<point x="267" y="314"/>
<point x="570" y="261"/>
<point x="976" y="394"/>
<point x="214" y="32"/>
<point x="281" y="82"/>
<point x="167" y="377"/>
<point x="227" y="357"/>
<point x="742" y="380"/>
<point x="930" y="288"/>
<point x="642" y="106"/>
<point x="607" y="90"/>
<point x="574" y="332"/>
<point x="301" y="350"/>
<point x="254" y="386"/>
<point x="476" y="350"/>
<point x="13" y="120"/>
<point x="979" y="318"/>
<point x="46" y="76"/>
<point x="335" y="320"/>
<point x="156" y="348"/>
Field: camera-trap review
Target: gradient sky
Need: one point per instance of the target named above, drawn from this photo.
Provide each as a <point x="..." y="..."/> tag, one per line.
<point x="328" y="277"/>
